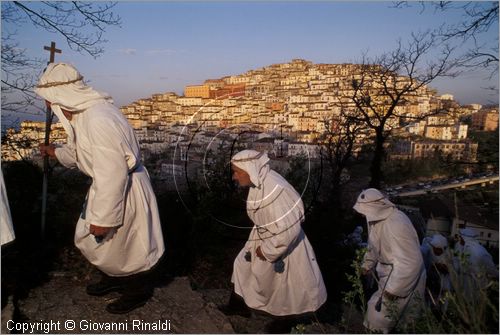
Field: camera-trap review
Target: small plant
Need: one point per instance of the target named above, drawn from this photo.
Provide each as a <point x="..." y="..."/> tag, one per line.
<point x="357" y="293"/>
<point x="298" y="329"/>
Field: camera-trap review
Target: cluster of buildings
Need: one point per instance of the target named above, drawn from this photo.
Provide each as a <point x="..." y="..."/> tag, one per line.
<point x="285" y="107"/>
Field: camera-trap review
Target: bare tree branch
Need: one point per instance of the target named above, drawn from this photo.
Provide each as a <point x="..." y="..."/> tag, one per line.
<point x="387" y="84"/>
<point x="82" y="24"/>
<point x="478" y="19"/>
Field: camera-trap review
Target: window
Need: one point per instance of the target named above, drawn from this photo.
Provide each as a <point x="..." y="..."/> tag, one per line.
<point x="489" y="234"/>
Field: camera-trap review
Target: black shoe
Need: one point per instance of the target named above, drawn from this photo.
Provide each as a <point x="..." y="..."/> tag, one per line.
<point x="235" y="306"/>
<point x="280" y="326"/>
<point x="126" y="304"/>
<point x="232" y="310"/>
<point x="103" y="287"/>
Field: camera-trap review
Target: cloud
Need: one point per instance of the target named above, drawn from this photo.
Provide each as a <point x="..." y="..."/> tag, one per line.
<point x="128" y="51"/>
<point x="163" y="52"/>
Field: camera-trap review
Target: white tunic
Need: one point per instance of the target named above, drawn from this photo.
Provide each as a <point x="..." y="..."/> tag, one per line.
<point x="120" y="196"/>
<point x="394" y="247"/>
<point x="277" y="213"/>
<point x="394" y="251"/>
<point x="7" y="230"/>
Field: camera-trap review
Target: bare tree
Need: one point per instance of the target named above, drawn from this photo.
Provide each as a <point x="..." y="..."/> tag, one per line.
<point x="389" y="83"/>
<point x="82" y="24"/>
<point x="337" y="148"/>
<point x="479" y="18"/>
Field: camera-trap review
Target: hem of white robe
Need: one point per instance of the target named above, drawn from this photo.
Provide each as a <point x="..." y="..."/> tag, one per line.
<point x="264" y="309"/>
<point x="147" y="267"/>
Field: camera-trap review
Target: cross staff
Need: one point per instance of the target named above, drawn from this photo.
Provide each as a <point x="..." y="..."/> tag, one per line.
<point x="48" y="122"/>
<point x="52" y="50"/>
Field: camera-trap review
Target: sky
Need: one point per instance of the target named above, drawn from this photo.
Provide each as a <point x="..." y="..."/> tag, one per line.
<point x="164" y="46"/>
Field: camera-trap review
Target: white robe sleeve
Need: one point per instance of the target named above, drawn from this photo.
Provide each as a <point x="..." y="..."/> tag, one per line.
<point x="110" y="174"/>
<point x="405" y="257"/>
<point x="66" y="156"/>
<point x="283" y="218"/>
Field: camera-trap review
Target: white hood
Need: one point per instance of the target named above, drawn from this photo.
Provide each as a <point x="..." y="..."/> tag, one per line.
<point x="62" y="85"/>
<point x="469" y="234"/>
<point x="374" y="205"/>
<point x="254" y="163"/>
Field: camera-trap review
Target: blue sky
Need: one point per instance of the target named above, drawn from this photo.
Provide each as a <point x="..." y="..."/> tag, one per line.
<point x="163" y="46"/>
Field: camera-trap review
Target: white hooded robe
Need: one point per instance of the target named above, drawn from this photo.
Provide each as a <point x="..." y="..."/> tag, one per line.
<point x="474" y="264"/>
<point x="394" y="251"/>
<point x="277" y="212"/>
<point x="6" y="228"/>
<point x="102" y="145"/>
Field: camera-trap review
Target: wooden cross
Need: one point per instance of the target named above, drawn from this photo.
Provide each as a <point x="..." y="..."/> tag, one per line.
<point x="52" y="50"/>
<point x="48" y="122"/>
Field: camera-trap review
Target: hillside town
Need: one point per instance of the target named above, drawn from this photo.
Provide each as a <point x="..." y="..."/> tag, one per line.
<point x="282" y="109"/>
<point x="285" y="106"/>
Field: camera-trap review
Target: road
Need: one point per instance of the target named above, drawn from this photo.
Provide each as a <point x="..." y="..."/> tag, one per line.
<point x="483" y="181"/>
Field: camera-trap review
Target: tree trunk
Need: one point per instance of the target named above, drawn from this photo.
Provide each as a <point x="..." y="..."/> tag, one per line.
<point x="378" y="158"/>
<point x="336" y="189"/>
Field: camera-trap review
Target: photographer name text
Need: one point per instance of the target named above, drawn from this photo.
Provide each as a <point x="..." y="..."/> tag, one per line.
<point x="47" y="327"/>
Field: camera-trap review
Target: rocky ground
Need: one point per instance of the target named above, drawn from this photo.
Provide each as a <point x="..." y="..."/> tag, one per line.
<point x="175" y="308"/>
<point x="63" y="298"/>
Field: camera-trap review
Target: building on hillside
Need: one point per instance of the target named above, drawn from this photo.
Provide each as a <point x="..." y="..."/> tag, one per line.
<point x="197" y="91"/>
<point x="264" y="144"/>
<point x="446" y="217"/>
<point x="457" y="131"/>
<point x="307" y="150"/>
<point x="274" y="146"/>
<point x="463" y="150"/>
<point x="486" y="120"/>
<point x="215" y="83"/>
<point x="230" y="90"/>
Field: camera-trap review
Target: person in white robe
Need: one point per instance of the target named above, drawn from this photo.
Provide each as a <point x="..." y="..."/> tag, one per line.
<point x="7" y="229"/>
<point x="119" y="229"/>
<point x="394" y="253"/>
<point x="437" y="260"/>
<point x="473" y="263"/>
<point x="276" y="271"/>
